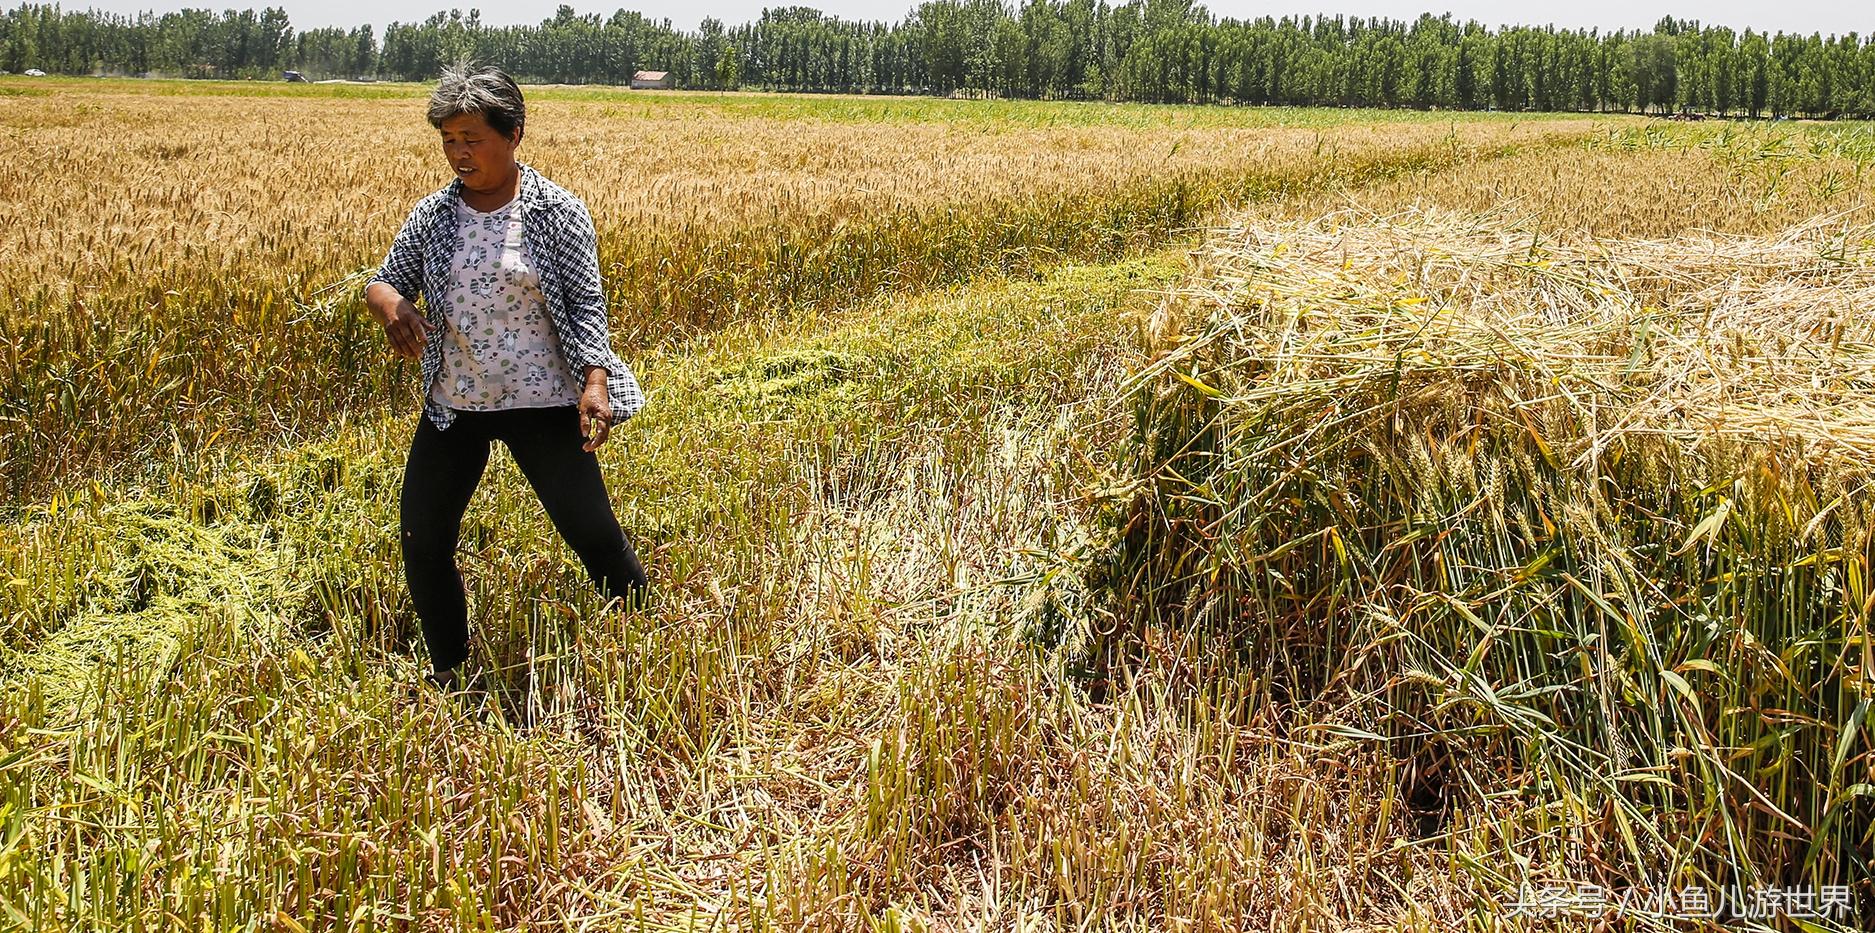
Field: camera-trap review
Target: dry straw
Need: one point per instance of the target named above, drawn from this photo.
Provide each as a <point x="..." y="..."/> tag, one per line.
<point x="1578" y="528"/>
<point x="1692" y="338"/>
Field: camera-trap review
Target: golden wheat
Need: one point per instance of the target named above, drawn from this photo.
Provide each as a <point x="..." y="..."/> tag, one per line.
<point x="187" y="277"/>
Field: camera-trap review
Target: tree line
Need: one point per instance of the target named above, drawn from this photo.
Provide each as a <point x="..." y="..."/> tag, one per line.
<point x="1139" y="50"/>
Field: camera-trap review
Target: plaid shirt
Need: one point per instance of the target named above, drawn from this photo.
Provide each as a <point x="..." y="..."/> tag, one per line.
<point x="559" y="233"/>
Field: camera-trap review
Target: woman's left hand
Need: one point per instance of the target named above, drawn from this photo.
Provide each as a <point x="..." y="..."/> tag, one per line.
<point x="595" y="414"/>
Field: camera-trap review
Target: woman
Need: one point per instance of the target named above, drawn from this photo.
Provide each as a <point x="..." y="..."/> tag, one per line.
<point x="515" y="347"/>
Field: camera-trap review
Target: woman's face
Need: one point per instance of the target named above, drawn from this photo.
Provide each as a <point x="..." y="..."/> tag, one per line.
<point x="480" y="156"/>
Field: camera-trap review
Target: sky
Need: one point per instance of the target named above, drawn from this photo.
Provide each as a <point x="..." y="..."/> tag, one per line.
<point x="1803" y="16"/>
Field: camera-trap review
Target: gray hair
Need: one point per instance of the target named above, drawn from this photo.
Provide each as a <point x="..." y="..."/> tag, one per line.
<point x="486" y="90"/>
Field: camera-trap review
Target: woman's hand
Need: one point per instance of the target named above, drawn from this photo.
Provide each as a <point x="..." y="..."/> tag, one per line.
<point x="595" y="410"/>
<point x="408" y="329"/>
<point x="403" y="324"/>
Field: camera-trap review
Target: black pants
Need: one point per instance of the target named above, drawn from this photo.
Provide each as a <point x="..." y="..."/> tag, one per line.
<point x="441" y="473"/>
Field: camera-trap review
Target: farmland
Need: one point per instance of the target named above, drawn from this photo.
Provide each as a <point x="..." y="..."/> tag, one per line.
<point x="1060" y="515"/>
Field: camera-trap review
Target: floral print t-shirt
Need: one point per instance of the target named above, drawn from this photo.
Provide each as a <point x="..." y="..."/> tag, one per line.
<point x="499" y="349"/>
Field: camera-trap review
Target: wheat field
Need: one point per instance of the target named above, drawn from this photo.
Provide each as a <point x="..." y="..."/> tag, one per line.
<point x="187" y="274"/>
<point x="1060" y="516"/>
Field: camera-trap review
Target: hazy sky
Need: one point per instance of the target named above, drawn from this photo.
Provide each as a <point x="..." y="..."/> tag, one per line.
<point x="1826" y="16"/>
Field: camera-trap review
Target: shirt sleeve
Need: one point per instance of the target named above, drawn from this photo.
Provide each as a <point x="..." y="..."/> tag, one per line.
<point x="590" y="342"/>
<point x="402" y="268"/>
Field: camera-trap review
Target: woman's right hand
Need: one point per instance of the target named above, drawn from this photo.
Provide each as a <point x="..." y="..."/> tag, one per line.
<point x="407" y="329"/>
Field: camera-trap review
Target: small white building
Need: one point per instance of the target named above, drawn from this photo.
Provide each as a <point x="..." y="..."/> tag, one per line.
<point x="651" y="79"/>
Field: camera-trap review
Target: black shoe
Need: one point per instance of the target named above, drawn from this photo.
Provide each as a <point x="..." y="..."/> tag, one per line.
<point x="447" y="681"/>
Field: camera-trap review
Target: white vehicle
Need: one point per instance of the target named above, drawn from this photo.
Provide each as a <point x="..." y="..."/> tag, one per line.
<point x="33" y="73"/>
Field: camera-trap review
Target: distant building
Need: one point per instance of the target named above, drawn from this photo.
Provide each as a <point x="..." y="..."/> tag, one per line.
<point x="651" y="79"/>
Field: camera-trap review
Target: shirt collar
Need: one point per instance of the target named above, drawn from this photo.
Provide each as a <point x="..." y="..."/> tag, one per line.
<point x="524" y="196"/>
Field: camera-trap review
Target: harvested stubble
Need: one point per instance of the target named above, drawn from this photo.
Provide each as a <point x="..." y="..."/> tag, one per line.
<point x="1580" y="530"/>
